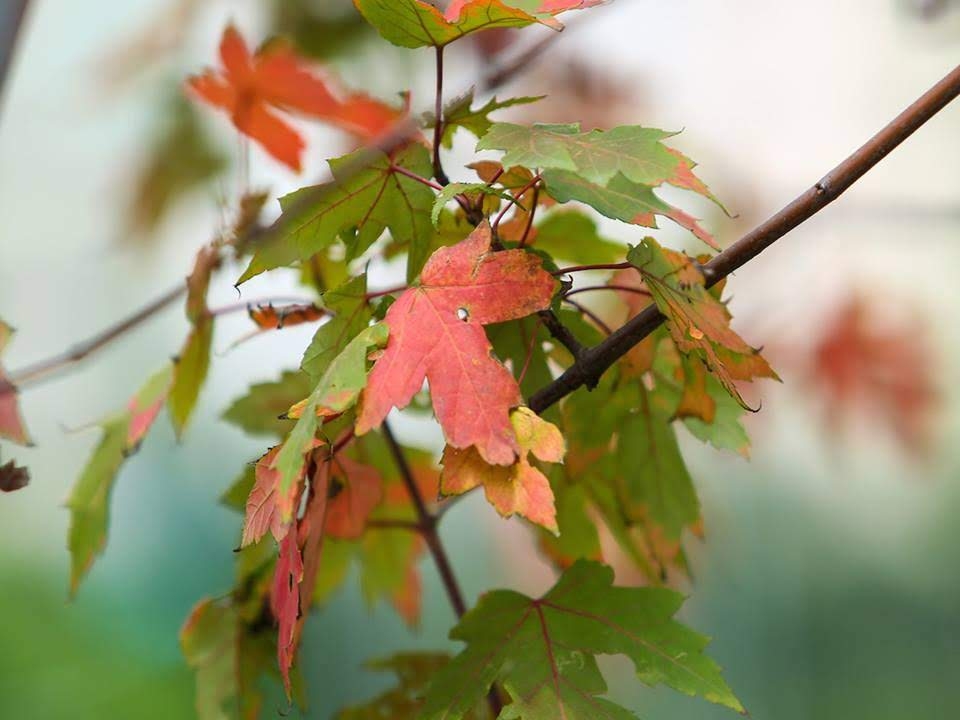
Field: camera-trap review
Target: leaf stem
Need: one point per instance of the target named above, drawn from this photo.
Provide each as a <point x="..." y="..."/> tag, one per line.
<point x="530" y="217"/>
<point x="515" y="200"/>
<point x="585" y="268"/>
<point x="413" y="176"/>
<point x="620" y="288"/>
<point x="597" y="320"/>
<point x="389" y="291"/>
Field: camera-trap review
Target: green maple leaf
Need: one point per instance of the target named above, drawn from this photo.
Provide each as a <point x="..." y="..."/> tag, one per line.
<point x="351" y="314"/>
<point x="652" y="477"/>
<point x="460" y="113"/>
<point x="636" y="152"/>
<point x="370" y="200"/>
<point x="620" y="199"/>
<point x="89" y="501"/>
<point x="573" y="236"/>
<point x="415" y="23"/>
<point x="258" y="412"/>
<point x="403" y="701"/>
<point x="336" y="391"/>
<point x="190" y="373"/>
<point x="543" y="652"/>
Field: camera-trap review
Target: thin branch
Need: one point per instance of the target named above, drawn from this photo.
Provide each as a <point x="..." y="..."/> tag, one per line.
<point x="515" y="200"/>
<point x="585" y="268"/>
<point x="597" y="360"/>
<point x="620" y="288"/>
<point x="438" y="172"/>
<point x="45" y="368"/>
<point x="561" y="333"/>
<point x="427" y="523"/>
<point x="389" y="291"/>
<point x="597" y="320"/>
<point x="413" y="176"/>
<point x="530" y="217"/>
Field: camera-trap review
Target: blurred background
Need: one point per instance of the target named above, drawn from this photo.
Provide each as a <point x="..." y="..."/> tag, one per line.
<point x="829" y="576"/>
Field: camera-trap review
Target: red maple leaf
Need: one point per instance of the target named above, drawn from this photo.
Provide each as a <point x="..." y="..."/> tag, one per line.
<point x="285" y="602"/>
<point x="436" y="333"/>
<point x="253" y="87"/>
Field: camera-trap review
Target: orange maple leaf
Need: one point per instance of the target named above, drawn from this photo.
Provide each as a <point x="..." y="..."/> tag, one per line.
<point x="520" y="488"/>
<point x="436" y="333"/>
<point x="253" y="87"/>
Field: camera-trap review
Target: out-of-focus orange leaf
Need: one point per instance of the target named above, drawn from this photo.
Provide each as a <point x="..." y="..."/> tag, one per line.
<point x="860" y="365"/>
<point x="252" y="88"/>
<point x="268" y="317"/>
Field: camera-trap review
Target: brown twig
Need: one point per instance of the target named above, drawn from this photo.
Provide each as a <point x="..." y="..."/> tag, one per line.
<point x="45" y="368"/>
<point x="561" y="333"/>
<point x="597" y="360"/>
<point x="585" y="268"/>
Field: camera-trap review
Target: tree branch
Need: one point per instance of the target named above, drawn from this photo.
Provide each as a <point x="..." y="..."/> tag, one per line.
<point x="51" y="366"/>
<point x="597" y="360"/>
<point x="428" y="524"/>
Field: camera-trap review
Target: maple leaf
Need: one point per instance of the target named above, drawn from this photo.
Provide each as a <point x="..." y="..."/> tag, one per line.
<point x="436" y="333"/>
<point x="654" y="482"/>
<point x="13" y="477"/>
<point x="572" y="235"/>
<point x="543" y="651"/>
<point x="285" y="602"/>
<point x="857" y="361"/>
<point x="265" y="508"/>
<point x="257" y="412"/>
<point x="460" y="113"/>
<point x="337" y="390"/>
<point x="520" y="488"/>
<point x="614" y="171"/>
<point x="402" y="702"/>
<point x="622" y="200"/>
<point x="698" y="322"/>
<point x="193" y="362"/>
<point x="415" y="23"/>
<point x="351" y="314"/>
<point x="90" y="497"/>
<point x="368" y="200"/>
<point x="208" y="639"/>
<point x="253" y="88"/>
<point x="356" y="490"/>
<point x="11" y="422"/>
<point x="181" y="159"/>
<point x="268" y="317"/>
